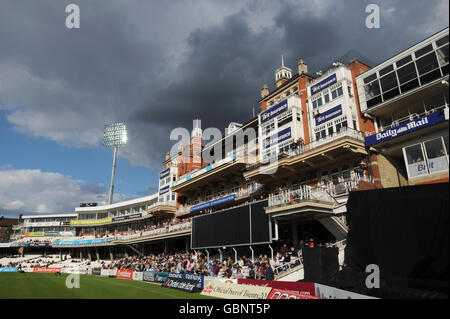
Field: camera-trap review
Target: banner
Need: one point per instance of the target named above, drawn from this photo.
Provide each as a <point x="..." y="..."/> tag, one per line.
<point x="284" y="294"/>
<point x="154" y="276"/>
<point x="405" y="128"/>
<point x="164" y="173"/>
<point x="233" y="291"/>
<point x="274" y="111"/>
<point x="75" y="270"/>
<point x="105" y="272"/>
<point x="46" y="270"/>
<point x="304" y="288"/>
<point x="185" y="285"/>
<point x="164" y="190"/>
<point x="197" y="278"/>
<point x="91" y="221"/>
<point x="213" y="202"/>
<point x="8" y="269"/>
<point x="208" y="279"/>
<point x="125" y="274"/>
<point x="328" y="292"/>
<point x="79" y="242"/>
<point x="126" y="217"/>
<point x="277" y="138"/>
<point x="39" y="234"/>
<point x="96" y="271"/>
<point x="138" y="275"/>
<point x="323" y="84"/>
<point x="328" y="115"/>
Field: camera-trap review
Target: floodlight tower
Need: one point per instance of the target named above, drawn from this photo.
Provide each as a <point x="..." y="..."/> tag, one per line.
<point x="114" y="135"/>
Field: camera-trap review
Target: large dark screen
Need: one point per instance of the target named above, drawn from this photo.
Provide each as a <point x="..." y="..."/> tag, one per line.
<point x="232" y="227"/>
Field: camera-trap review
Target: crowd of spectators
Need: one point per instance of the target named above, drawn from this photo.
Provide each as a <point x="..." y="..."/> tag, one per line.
<point x="197" y="263"/>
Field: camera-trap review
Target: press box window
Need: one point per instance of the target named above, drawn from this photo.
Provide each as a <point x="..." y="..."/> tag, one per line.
<point x="415" y="161"/>
<point x="436" y="155"/>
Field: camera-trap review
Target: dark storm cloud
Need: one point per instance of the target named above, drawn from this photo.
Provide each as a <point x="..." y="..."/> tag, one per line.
<point x="158" y="65"/>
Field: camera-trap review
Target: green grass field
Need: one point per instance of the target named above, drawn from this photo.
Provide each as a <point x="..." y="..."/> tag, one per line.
<point x="51" y="286"/>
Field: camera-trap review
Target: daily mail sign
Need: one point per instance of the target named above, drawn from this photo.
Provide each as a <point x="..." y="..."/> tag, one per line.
<point x="405" y="128"/>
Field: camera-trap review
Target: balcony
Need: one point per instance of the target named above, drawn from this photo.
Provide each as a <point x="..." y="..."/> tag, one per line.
<point x="17" y="227"/>
<point x="217" y="172"/>
<point x="318" y="201"/>
<point x="347" y="144"/>
<point x="172" y="230"/>
<point x="222" y="201"/>
<point x="166" y="207"/>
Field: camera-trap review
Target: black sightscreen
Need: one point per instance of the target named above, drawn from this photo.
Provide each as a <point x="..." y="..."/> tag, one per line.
<point x="231" y="227"/>
<point x="260" y="223"/>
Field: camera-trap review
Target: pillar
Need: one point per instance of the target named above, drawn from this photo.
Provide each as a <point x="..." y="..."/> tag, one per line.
<point x="294" y="235"/>
<point x="111" y="255"/>
<point x="97" y="255"/>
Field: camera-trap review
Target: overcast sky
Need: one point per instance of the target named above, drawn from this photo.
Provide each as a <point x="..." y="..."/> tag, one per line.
<point x="157" y="65"/>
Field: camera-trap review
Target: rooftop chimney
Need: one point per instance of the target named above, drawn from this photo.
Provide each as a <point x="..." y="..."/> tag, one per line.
<point x="302" y="67"/>
<point x="264" y="91"/>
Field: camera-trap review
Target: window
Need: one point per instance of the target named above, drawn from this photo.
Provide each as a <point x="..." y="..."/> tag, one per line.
<point x="436" y="155"/>
<point x="372" y="89"/>
<point x="326" y="97"/>
<point x="415" y="161"/>
<point x="407" y="73"/>
<point x="442" y="41"/>
<point x="269" y="128"/>
<point x="370" y="78"/>
<point x="386" y="70"/>
<point x="333" y="94"/>
<point x="442" y="54"/>
<point x="388" y="82"/>
<point x="407" y="76"/>
<point x="341" y="125"/>
<point x="424" y="50"/>
<point x="403" y="61"/>
<point x="330" y="130"/>
<point x="339" y="91"/>
<point x="427" y="63"/>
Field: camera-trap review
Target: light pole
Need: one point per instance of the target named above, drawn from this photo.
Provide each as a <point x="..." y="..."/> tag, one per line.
<point x="114" y="135"/>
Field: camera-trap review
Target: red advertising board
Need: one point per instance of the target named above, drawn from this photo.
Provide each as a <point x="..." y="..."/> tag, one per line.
<point x="125" y="274"/>
<point x="304" y="288"/>
<point x="284" y="294"/>
<point x="48" y="270"/>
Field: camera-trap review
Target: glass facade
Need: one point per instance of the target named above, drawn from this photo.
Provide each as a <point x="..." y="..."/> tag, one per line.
<point x="420" y="67"/>
<point x="428" y="157"/>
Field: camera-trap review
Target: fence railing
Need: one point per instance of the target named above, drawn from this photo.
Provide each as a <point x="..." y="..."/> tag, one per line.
<point x="305" y="192"/>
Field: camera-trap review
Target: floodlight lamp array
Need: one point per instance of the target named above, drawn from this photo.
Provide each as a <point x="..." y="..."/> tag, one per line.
<point x="115" y="135"/>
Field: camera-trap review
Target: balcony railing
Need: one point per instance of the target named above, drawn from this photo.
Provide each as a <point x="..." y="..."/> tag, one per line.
<point x="444" y="107"/>
<point x="154" y="232"/>
<point x="323" y="193"/>
<point x="243" y="191"/>
<point x="344" y="132"/>
<point x="297" y="148"/>
<point x="305" y="192"/>
<point x="165" y="203"/>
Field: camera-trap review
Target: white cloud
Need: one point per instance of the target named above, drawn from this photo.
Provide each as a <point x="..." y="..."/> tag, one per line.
<point x="34" y="191"/>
